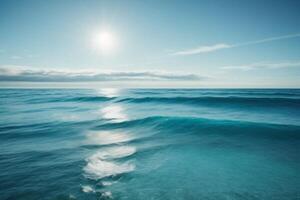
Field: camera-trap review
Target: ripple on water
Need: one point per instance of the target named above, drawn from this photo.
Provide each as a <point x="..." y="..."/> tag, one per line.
<point x="114" y="152"/>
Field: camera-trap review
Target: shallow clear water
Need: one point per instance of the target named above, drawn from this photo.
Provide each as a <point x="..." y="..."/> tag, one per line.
<point x="149" y="144"/>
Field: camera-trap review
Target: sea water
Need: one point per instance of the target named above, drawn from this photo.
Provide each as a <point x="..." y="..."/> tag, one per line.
<point x="150" y="144"/>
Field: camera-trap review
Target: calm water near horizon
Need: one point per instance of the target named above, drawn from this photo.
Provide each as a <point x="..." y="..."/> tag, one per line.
<point x="147" y="144"/>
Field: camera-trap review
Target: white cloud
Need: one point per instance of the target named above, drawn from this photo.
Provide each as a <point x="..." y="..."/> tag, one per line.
<point x="262" y="65"/>
<point x="19" y="73"/>
<point x="216" y="47"/>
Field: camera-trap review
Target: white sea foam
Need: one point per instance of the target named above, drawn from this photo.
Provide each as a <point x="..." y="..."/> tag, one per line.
<point x="87" y="189"/>
<point x="100" y="164"/>
<point x="97" y="168"/>
<point x="71" y="196"/>
<point x="107" y="183"/>
<point x="107" y="194"/>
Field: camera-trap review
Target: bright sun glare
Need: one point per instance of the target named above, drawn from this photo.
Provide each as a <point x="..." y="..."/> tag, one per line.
<point x="104" y="41"/>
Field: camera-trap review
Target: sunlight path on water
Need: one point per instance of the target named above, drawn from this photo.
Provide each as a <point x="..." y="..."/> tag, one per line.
<point x="104" y="167"/>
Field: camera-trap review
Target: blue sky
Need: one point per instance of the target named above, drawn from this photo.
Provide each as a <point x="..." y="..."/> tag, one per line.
<point x="159" y="43"/>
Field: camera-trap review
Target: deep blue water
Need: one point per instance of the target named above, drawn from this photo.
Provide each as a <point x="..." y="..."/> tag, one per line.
<point x="150" y="144"/>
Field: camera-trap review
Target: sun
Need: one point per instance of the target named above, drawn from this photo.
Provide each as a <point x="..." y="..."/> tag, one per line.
<point x="104" y="41"/>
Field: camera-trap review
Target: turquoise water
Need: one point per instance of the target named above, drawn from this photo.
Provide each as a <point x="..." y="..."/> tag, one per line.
<point x="150" y="144"/>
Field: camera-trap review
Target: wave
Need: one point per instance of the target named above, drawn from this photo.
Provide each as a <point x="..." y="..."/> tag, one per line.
<point x="91" y="99"/>
<point x="215" y="101"/>
<point x="204" y="126"/>
<point x="69" y="99"/>
<point x="223" y="92"/>
<point x="54" y="128"/>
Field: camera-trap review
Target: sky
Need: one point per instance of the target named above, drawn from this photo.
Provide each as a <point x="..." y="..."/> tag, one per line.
<point x="150" y="43"/>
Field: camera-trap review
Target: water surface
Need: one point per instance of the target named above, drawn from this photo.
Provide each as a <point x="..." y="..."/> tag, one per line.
<point x="150" y="144"/>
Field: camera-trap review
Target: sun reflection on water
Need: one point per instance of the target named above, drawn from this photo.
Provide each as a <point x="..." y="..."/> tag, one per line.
<point x="108" y="137"/>
<point x="114" y="112"/>
<point x="109" y="92"/>
<point x="104" y="163"/>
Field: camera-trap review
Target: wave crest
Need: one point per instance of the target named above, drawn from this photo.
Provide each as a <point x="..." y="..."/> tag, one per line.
<point x="215" y="101"/>
<point x="97" y="169"/>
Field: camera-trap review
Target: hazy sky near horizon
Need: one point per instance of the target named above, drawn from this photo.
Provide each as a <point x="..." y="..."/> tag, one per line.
<point x="202" y="43"/>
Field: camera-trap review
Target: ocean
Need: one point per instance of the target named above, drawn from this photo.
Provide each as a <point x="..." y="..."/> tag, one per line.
<point x="148" y="144"/>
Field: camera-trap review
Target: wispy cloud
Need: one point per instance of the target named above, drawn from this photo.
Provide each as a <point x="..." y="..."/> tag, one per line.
<point x="262" y="65"/>
<point x="203" y="49"/>
<point x="217" y="47"/>
<point x="10" y="73"/>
